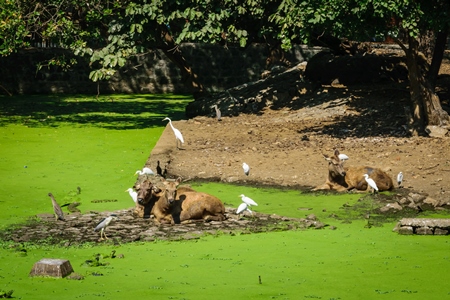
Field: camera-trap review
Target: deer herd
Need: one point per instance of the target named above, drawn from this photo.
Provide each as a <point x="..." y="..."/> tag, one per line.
<point x="169" y="202"/>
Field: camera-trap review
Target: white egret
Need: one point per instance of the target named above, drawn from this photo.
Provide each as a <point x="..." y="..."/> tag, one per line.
<point x="248" y="200"/>
<point x="145" y="171"/>
<point x="246" y="169"/>
<point x="400" y="179"/>
<point x="133" y="194"/>
<point x="371" y="183"/>
<point x="243" y="207"/>
<point x="218" y="113"/>
<point x="178" y="135"/>
<point x="59" y="215"/>
<point x="342" y="156"/>
<point x="103" y="224"/>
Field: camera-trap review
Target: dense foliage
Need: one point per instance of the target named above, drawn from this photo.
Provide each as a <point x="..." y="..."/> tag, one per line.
<point x="110" y="32"/>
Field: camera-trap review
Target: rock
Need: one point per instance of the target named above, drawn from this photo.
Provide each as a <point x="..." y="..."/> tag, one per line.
<point x="424" y="231"/>
<point x="391" y="207"/>
<point x="431" y="202"/>
<point x="439" y="231"/>
<point x="416" y="198"/>
<point x="52" y="267"/>
<point x="406" y="230"/>
<point x="436" y="131"/>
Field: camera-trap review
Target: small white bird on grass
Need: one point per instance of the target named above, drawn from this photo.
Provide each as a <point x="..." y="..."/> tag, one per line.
<point x="243" y="207"/>
<point x="103" y="224"/>
<point x="178" y="135"/>
<point x="371" y="183"/>
<point x="248" y="200"/>
<point x="133" y="194"/>
<point x="145" y="171"/>
<point x="400" y="179"/>
<point x="246" y="169"/>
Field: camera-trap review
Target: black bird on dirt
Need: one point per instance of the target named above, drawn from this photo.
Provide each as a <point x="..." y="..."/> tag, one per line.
<point x="159" y="170"/>
<point x="59" y="215"/>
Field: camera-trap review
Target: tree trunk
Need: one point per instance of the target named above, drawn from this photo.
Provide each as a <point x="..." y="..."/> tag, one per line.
<point x="173" y="52"/>
<point x="427" y="108"/>
<point x="438" y="55"/>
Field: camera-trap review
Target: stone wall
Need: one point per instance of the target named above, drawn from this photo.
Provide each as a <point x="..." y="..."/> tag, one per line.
<point x="218" y="68"/>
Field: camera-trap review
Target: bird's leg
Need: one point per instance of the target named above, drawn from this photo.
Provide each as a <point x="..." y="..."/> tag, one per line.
<point x="101" y="234"/>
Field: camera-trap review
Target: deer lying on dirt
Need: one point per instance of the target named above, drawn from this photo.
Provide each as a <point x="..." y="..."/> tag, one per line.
<point x="188" y="204"/>
<point x="147" y="195"/>
<point x="173" y="205"/>
<point x="342" y="178"/>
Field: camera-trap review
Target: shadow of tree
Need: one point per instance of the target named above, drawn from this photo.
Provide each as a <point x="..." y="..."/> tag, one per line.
<point x="111" y="112"/>
<point x="359" y="111"/>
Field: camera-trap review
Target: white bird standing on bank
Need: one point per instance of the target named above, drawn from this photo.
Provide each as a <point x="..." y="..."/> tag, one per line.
<point x="246" y="168"/>
<point x="342" y="156"/>
<point x="133" y="194"/>
<point x="371" y="183"/>
<point x="400" y="179"/>
<point x="243" y="207"/>
<point x="178" y="135"/>
<point x="145" y="171"/>
<point x="248" y="200"/>
<point x="103" y="224"/>
<point x="218" y="113"/>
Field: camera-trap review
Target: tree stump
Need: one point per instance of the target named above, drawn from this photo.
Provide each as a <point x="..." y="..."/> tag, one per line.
<point x="52" y="267"/>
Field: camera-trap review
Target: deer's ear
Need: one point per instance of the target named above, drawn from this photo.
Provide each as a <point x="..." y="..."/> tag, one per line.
<point x="336" y="152"/>
<point x="327" y="158"/>
<point x="178" y="181"/>
<point x="156" y="189"/>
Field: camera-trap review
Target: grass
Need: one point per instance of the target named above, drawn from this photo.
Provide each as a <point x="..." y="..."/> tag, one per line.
<point x="54" y="144"/>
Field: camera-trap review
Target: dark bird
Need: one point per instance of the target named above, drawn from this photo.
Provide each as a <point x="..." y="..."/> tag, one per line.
<point x="159" y="170"/>
<point x="166" y="166"/>
<point x="103" y="224"/>
<point x="59" y="215"/>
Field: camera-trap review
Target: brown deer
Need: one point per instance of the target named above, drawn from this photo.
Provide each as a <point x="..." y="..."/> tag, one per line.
<point x="188" y="204"/>
<point x="342" y="178"/>
<point x="147" y="195"/>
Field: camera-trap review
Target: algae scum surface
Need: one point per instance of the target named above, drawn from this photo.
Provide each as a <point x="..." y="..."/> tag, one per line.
<point x="281" y="259"/>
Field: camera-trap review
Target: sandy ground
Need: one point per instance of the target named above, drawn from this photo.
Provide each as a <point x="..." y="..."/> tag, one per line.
<point x="284" y="147"/>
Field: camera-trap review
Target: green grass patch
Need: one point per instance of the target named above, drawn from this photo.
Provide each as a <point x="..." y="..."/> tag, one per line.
<point x="54" y="144"/>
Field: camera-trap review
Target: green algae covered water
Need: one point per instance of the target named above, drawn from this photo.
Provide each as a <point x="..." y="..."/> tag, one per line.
<point x="53" y="145"/>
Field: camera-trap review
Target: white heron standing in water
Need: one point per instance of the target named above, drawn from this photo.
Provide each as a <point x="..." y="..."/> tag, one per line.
<point x="133" y="194"/>
<point x="246" y="168"/>
<point x="400" y="179"/>
<point x="178" y="135"/>
<point x="371" y="183"/>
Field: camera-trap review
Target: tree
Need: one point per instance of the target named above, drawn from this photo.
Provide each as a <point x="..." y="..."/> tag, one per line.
<point x="365" y="19"/>
<point x="111" y="32"/>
